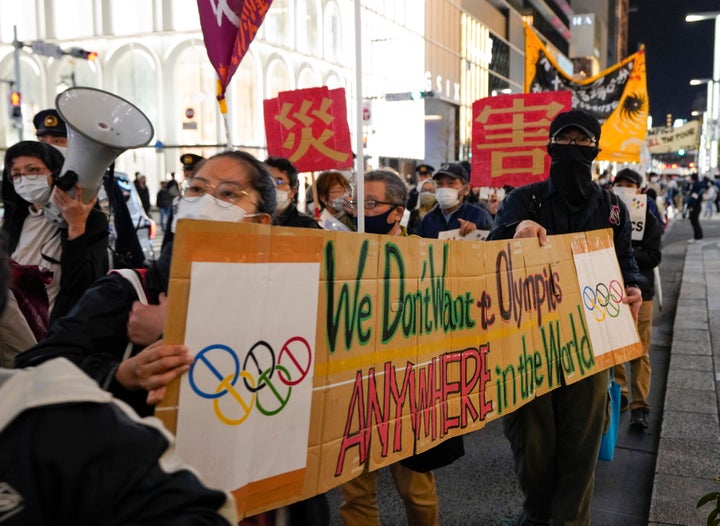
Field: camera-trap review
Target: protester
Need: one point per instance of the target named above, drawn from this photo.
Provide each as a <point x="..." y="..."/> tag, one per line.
<point x="452" y="212"/>
<point x="693" y="201"/>
<point x="556" y="437"/>
<point x="424" y="172"/>
<point x="52" y="264"/>
<point x="648" y="255"/>
<point x="285" y="176"/>
<point x="80" y="457"/>
<point x="426" y="202"/>
<point x="164" y="201"/>
<point x="334" y="192"/>
<point x="50" y="128"/>
<point x="711" y="193"/>
<point x="230" y="186"/>
<point x="143" y="191"/>
<point x="385" y="198"/>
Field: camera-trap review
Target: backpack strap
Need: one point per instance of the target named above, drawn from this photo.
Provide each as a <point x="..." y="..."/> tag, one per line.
<point x="134" y="277"/>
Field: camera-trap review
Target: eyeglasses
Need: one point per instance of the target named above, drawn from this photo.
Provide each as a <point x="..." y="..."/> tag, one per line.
<point x="31" y="172"/>
<point x="225" y="194"/>
<point x="580" y="141"/>
<point x="372" y="203"/>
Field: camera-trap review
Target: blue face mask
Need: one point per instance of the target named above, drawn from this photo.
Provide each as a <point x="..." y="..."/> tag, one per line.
<point x="377" y="224"/>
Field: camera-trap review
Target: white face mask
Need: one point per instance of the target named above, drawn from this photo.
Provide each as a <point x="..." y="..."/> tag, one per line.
<point x="626" y="193"/>
<point x="281" y="198"/>
<point x="447" y="197"/>
<point x="206" y="207"/>
<point x="36" y="190"/>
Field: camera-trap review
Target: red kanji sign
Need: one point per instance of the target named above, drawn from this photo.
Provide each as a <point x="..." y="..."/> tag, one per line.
<point x="509" y="137"/>
<point x="309" y="128"/>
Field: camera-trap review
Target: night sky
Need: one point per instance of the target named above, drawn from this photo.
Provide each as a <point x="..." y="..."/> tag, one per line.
<point x="676" y="51"/>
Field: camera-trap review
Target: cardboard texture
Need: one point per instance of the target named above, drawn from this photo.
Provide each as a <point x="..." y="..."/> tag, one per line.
<point x="410" y="341"/>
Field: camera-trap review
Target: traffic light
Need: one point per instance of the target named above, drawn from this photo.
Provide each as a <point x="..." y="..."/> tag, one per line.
<point x="15" y="108"/>
<point x="78" y="52"/>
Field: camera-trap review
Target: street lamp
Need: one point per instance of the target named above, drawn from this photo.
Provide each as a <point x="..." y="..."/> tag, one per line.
<point x="713" y="99"/>
<point x="707" y="130"/>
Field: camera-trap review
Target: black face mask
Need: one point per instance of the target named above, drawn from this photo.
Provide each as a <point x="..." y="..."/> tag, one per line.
<point x="571" y="171"/>
<point x="377" y="224"/>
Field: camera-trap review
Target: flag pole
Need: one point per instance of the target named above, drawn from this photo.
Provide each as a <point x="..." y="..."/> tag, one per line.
<point x="360" y="159"/>
<point x="223" y="111"/>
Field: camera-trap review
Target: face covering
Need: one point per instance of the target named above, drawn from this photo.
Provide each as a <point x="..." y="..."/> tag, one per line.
<point x="447" y="197"/>
<point x="338" y="203"/>
<point x="281" y="199"/>
<point x="626" y="193"/>
<point x="377" y="224"/>
<point x="205" y="207"/>
<point x="571" y="171"/>
<point x="427" y="199"/>
<point x="35" y="191"/>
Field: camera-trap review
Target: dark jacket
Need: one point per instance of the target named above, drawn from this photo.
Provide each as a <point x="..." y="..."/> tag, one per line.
<point x="163" y="199"/>
<point x="434" y="221"/>
<point x="648" y="253"/>
<point x="542" y="203"/>
<point x="93" y="335"/>
<point x="291" y="216"/>
<point x="80" y="458"/>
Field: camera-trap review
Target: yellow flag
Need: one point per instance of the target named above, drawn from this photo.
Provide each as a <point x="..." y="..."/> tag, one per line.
<point x="617" y="96"/>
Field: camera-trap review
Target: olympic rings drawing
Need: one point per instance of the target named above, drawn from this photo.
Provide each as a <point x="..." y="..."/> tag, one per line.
<point x="267" y="379"/>
<point x="604" y="300"/>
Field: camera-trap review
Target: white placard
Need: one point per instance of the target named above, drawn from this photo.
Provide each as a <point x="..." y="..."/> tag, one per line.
<point x="251" y="328"/>
<point x="610" y="321"/>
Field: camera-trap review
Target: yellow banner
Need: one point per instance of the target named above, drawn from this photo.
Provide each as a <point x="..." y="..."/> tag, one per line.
<point x="617" y="96"/>
<point x="320" y="355"/>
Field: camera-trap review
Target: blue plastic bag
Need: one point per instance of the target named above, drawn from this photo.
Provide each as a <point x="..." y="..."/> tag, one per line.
<point x="609" y="439"/>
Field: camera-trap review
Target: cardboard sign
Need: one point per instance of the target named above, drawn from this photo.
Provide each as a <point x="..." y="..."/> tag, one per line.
<point x="510" y="136"/>
<point x="309" y="128"/>
<point x="637" y="207"/>
<point x="319" y="355"/>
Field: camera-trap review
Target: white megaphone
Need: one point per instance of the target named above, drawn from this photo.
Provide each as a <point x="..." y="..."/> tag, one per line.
<point x="100" y="127"/>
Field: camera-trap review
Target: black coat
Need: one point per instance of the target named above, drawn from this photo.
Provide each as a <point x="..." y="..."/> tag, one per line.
<point x="80" y="458"/>
<point x="93" y="335"/>
<point x="291" y="216"/>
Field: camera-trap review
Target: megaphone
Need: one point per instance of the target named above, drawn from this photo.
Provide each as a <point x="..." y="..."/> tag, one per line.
<point x="100" y="127"/>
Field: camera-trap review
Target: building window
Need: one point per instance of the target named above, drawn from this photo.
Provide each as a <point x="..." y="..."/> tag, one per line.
<point x="278" y="78"/>
<point x="277" y="26"/>
<point x="20" y="14"/>
<point x="185" y="15"/>
<point x="333" y="33"/>
<point x="73" y="19"/>
<point x="136" y="80"/>
<point x="195" y="87"/>
<point x="308" y="78"/>
<point x="245" y="86"/>
<point x="130" y="17"/>
<point x="308" y="27"/>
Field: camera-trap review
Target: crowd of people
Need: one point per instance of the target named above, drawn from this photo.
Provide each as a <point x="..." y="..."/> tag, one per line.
<point x="74" y="307"/>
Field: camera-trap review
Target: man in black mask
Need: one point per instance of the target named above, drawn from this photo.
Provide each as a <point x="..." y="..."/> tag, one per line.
<point x="555" y="438"/>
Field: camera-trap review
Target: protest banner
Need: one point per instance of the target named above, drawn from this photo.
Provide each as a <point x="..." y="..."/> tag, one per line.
<point x="617" y="96"/>
<point x="666" y="140"/>
<point x="321" y="354"/>
<point x="510" y="135"/>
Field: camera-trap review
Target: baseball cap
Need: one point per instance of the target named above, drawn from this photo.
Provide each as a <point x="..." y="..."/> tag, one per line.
<point x="48" y="122"/>
<point x="577" y="119"/>
<point x="454" y="170"/>
<point x="629" y="175"/>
